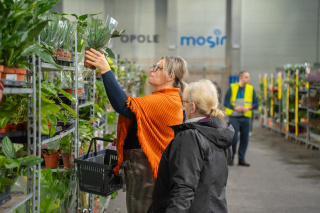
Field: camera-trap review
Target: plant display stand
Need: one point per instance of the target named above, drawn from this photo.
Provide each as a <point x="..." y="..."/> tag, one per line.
<point x="292" y="108"/>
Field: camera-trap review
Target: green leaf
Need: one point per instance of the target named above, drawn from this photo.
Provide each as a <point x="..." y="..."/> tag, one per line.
<point x="17" y="146"/>
<point x="44" y="126"/>
<point x="52" y="130"/>
<point x="37" y="29"/>
<point x="47" y="109"/>
<point x="11" y="163"/>
<point x="61" y="117"/>
<point x="69" y="108"/>
<point x="8" y="148"/>
<point x="68" y="95"/>
<point x="30" y="160"/>
<point x="6" y="182"/>
<point x="110" y="53"/>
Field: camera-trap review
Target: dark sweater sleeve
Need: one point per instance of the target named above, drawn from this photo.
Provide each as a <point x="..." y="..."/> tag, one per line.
<point x="116" y="95"/>
<point x="255" y="101"/>
<point x="227" y="97"/>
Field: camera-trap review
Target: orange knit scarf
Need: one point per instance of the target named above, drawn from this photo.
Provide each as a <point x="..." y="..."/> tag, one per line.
<point x="153" y="114"/>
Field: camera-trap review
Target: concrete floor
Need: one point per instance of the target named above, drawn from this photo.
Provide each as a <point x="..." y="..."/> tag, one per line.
<point x="283" y="177"/>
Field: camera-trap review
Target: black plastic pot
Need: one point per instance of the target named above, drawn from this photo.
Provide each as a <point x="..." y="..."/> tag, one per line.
<point x="5" y="196"/>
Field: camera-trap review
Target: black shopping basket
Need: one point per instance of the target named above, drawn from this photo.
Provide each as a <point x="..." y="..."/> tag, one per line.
<point x="95" y="171"/>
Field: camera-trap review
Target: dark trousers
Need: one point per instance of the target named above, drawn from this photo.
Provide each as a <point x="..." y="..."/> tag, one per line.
<point x="242" y="124"/>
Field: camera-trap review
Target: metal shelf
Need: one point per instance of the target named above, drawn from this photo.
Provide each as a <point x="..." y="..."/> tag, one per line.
<point x="314" y="111"/>
<point x="50" y="67"/>
<point x="302" y="91"/>
<point x="302" y="106"/>
<point x="9" y="90"/>
<point x="292" y="124"/>
<point x="292" y="110"/>
<point x="17" y="199"/>
<point x="86" y="104"/>
<point x="65" y="59"/>
<point x="57" y="137"/>
<point x="314" y="87"/>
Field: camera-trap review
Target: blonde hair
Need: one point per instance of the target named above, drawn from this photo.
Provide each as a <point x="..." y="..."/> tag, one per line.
<point x="178" y="67"/>
<point x="204" y="95"/>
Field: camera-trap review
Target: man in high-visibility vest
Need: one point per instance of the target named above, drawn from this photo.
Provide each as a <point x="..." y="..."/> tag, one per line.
<point x="239" y="101"/>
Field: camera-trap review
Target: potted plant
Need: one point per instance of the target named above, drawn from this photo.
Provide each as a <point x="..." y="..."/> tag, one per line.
<point x="18" y="35"/>
<point x="11" y="166"/>
<point x="51" y="154"/>
<point x="98" y="35"/>
<point x="65" y="149"/>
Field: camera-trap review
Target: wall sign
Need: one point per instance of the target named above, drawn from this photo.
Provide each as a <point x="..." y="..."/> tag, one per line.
<point x="139" y="38"/>
<point x="202" y="40"/>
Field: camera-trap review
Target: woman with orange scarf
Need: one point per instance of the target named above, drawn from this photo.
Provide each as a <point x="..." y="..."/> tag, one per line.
<point x="143" y="130"/>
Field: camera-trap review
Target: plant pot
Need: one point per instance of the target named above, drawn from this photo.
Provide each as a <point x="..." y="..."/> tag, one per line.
<point x="1" y="70"/>
<point x="13" y="127"/>
<point x="66" y="157"/>
<point x="80" y="91"/>
<point x="8" y="71"/>
<point x="6" y="128"/>
<point x="51" y="160"/>
<point x="60" y="53"/>
<point x="21" y="73"/>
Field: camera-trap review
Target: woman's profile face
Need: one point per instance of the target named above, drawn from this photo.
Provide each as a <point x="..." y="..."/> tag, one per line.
<point x="157" y="76"/>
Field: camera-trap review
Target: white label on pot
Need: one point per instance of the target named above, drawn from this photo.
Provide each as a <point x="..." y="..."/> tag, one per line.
<point x="12" y="77"/>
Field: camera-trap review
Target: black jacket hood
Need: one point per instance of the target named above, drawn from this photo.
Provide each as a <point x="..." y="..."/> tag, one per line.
<point x="217" y="132"/>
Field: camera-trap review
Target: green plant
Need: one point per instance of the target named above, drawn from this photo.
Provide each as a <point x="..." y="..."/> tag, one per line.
<point x="54" y="189"/>
<point x="20" y="26"/>
<point x="13" y="108"/>
<point x="65" y="144"/>
<point x="98" y="35"/>
<point x="50" y="110"/>
<point x="11" y="165"/>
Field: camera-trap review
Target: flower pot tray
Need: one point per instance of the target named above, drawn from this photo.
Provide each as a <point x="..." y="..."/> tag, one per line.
<point x="15" y="137"/>
<point x="66" y="126"/>
<point x="13" y="83"/>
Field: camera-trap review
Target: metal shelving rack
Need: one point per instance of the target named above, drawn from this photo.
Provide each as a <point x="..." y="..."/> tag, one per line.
<point x="33" y="192"/>
<point x="308" y="138"/>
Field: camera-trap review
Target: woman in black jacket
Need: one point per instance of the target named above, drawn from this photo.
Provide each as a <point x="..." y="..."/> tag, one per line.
<point x="193" y="170"/>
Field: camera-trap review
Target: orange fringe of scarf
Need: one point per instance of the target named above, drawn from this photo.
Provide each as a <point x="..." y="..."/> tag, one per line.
<point x="154" y="113"/>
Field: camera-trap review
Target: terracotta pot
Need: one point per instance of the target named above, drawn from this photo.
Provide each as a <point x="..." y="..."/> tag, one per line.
<point x="25" y="126"/>
<point x="80" y="91"/>
<point x="1" y="70"/>
<point x="6" y="128"/>
<point x="69" y="55"/>
<point x="98" y="74"/>
<point x="51" y="160"/>
<point x="13" y="127"/>
<point x="66" y="158"/>
<point x="8" y="70"/>
<point x="21" y="73"/>
<point x="60" y="53"/>
<point x="65" y="55"/>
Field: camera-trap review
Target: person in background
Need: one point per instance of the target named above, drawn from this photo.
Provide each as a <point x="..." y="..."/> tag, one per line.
<point x="239" y="101"/>
<point x="143" y="132"/>
<point x="218" y="91"/>
<point x="193" y="170"/>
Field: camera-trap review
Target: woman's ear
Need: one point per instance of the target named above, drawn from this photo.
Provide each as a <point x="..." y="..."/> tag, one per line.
<point x="171" y="77"/>
<point x="193" y="108"/>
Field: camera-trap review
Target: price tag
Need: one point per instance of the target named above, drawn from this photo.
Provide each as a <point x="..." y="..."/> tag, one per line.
<point x="12" y="77"/>
<point x="297" y="72"/>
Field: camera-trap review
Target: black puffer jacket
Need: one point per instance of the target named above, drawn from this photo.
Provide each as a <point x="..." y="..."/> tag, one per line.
<point x="193" y="170"/>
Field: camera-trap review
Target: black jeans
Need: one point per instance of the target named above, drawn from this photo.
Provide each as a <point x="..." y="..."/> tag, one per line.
<point x="243" y="125"/>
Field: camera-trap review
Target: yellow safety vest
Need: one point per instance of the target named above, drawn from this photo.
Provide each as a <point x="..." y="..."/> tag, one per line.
<point x="248" y="98"/>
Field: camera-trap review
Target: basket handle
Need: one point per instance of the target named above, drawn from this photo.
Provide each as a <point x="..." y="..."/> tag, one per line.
<point x="95" y="145"/>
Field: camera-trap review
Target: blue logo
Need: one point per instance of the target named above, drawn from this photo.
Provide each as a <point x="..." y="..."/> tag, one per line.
<point x="201" y="40"/>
